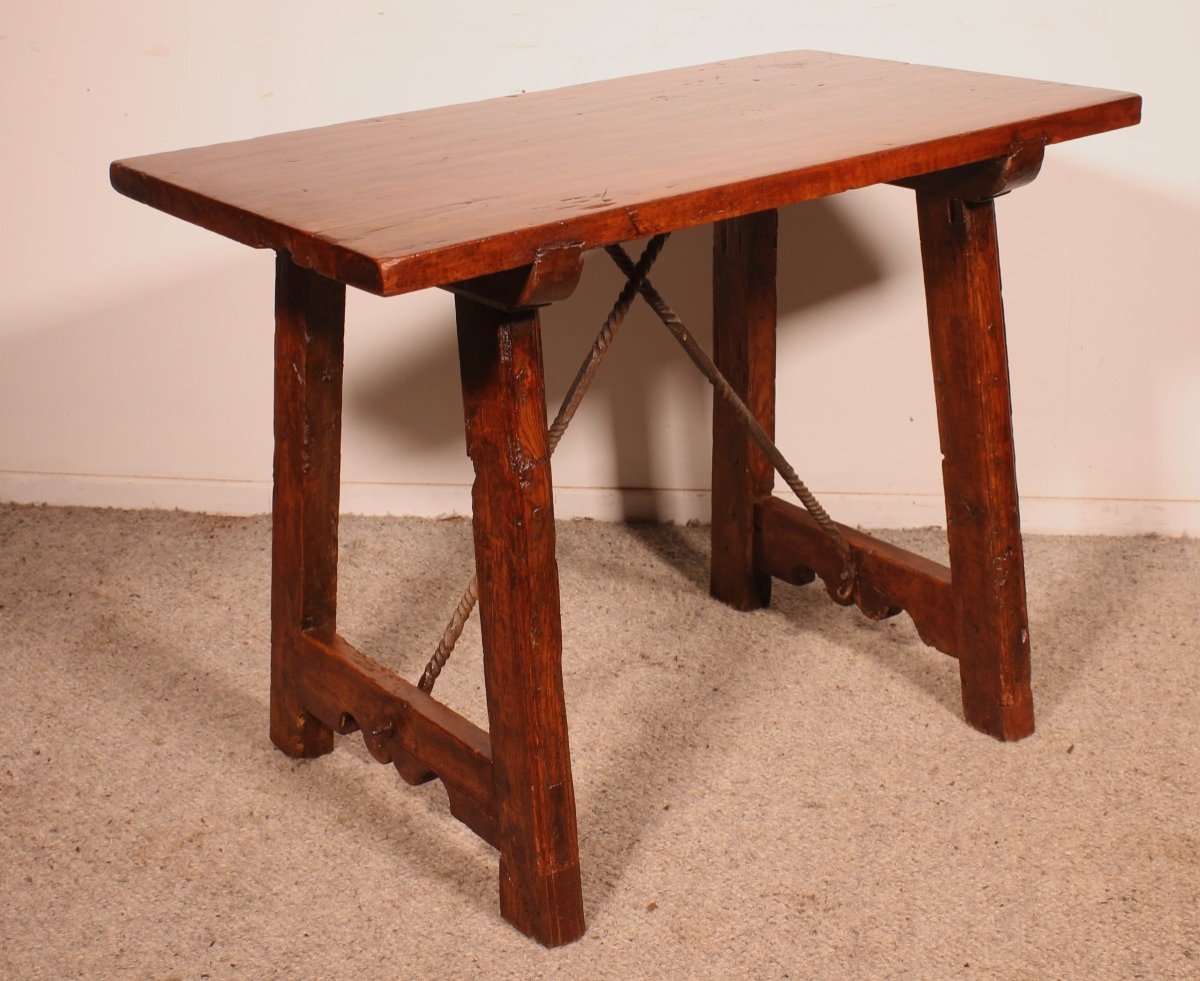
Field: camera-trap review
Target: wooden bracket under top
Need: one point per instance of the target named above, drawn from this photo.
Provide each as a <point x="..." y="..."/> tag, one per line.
<point x="553" y="275"/>
<point x="982" y="181"/>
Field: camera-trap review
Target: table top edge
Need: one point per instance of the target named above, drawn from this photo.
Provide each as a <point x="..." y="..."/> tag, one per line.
<point x="388" y="275"/>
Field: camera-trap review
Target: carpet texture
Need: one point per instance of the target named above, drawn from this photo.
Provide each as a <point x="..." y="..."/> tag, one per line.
<point x="785" y="793"/>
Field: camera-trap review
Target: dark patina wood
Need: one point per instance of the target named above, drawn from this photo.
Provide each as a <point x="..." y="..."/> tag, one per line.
<point x="309" y="327"/>
<point x="791" y="545"/>
<point x="744" y="262"/>
<point x="970" y="377"/>
<point x="985" y="179"/>
<point x="553" y="275"/>
<point x="497" y="201"/>
<point x="400" y="724"/>
<point x="513" y="507"/>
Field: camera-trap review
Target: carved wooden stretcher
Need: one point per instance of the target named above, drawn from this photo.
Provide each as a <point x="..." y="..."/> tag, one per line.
<point x="498" y="201"/>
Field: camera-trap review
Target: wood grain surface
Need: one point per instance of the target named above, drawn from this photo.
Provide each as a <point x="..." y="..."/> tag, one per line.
<point x="745" y="254"/>
<point x="400" y="203"/>
<point x="961" y="260"/>
<point x="500" y="356"/>
<point x="400" y="724"/>
<point x="791" y="545"/>
<point x="310" y="317"/>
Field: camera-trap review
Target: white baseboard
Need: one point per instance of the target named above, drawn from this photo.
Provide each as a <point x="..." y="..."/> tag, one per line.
<point x="1039" y="515"/>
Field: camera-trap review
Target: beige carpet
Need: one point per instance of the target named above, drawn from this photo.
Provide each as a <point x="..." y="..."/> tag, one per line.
<point x="788" y="793"/>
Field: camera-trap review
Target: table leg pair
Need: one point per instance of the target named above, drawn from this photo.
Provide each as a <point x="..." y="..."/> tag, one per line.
<point x="512" y="784"/>
<point x="978" y="614"/>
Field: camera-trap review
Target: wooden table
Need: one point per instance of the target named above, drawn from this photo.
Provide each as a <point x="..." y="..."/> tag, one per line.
<point x="498" y="201"/>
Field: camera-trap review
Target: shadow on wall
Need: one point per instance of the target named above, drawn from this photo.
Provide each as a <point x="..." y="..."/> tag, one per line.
<point x="653" y="403"/>
<point x="1098" y="270"/>
<point x="1102" y="336"/>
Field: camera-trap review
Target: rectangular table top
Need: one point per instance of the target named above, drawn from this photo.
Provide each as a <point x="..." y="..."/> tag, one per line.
<point x="400" y="203"/>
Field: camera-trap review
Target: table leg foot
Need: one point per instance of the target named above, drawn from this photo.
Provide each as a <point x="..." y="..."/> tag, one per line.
<point x="309" y="326"/>
<point x="970" y="371"/>
<point x="504" y="399"/>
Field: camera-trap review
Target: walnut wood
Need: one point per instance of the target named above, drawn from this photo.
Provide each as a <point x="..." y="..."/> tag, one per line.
<point x="401" y="724"/>
<point x="791" y="545"/>
<point x="744" y="263"/>
<point x="553" y="275"/>
<point x="497" y="201"/>
<point x="504" y="397"/>
<point x="480" y="819"/>
<point x="985" y="180"/>
<point x="970" y="374"/>
<point x="399" y="203"/>
<point x="309" y="326"/>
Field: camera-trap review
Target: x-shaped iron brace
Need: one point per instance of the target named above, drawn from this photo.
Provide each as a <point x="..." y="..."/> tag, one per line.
<point x="637" y="282"/>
